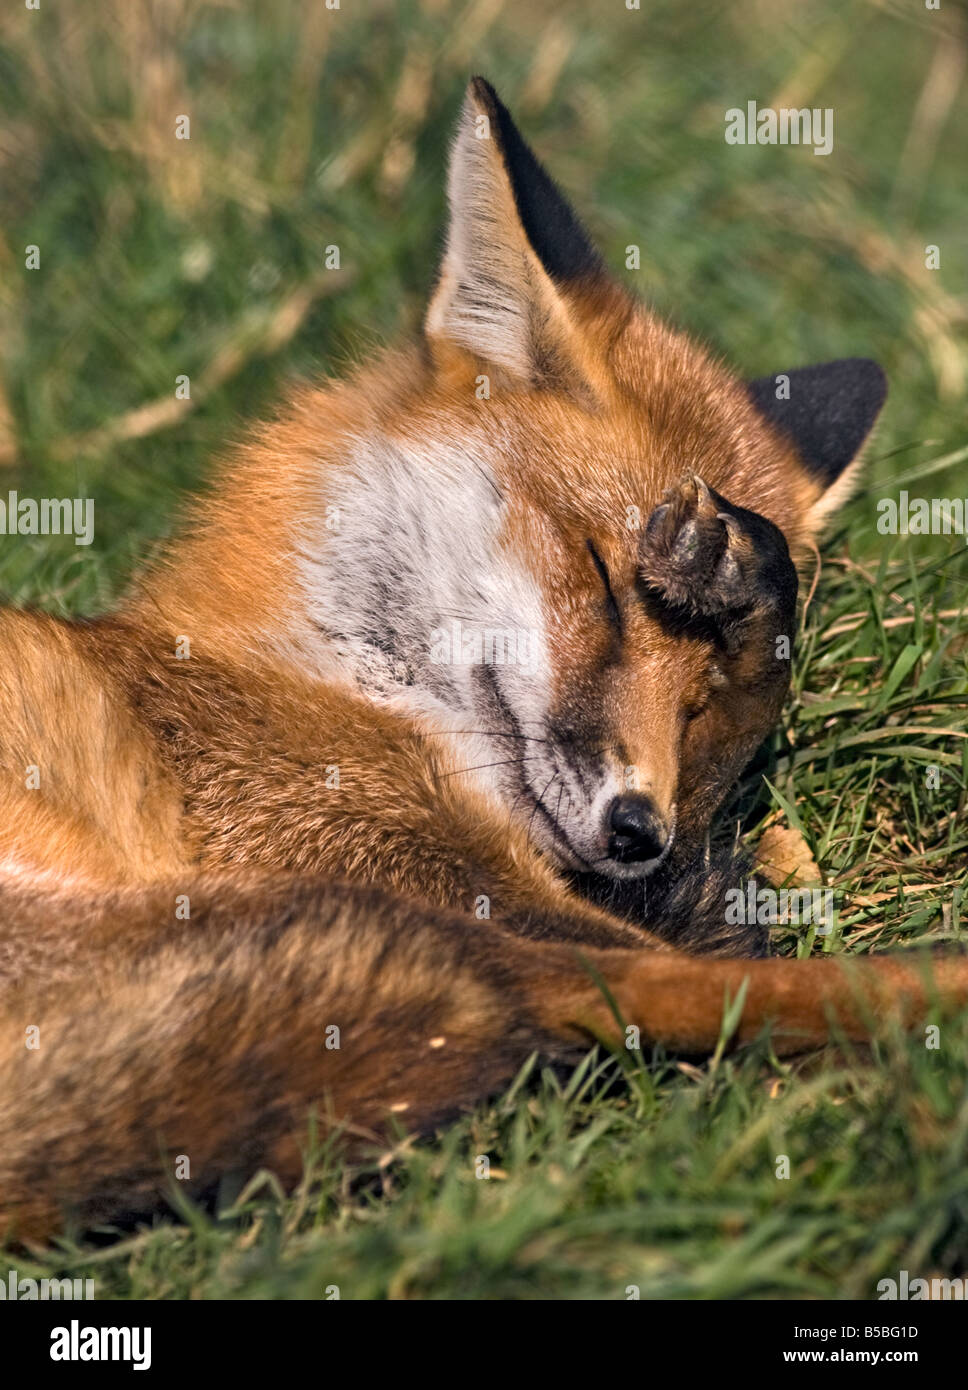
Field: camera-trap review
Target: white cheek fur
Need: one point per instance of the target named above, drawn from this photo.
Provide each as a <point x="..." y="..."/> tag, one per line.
<point x="407" y="543"/>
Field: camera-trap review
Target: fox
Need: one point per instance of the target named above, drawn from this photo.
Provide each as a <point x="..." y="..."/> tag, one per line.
<point x="293" y="836"/>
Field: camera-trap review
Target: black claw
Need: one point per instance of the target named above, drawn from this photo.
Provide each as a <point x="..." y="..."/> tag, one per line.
<point x="656" y="519"/>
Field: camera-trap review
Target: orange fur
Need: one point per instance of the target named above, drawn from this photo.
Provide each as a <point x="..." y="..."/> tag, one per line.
<point x="224" y="827"/>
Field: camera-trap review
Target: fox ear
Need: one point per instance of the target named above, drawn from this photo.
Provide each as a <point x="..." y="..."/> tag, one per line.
<point x="827" y="412"/>
<point x="514" y="249"/>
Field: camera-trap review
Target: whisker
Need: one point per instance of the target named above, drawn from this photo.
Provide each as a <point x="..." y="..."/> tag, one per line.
<point x="491" y="483"/>
<point x="523" y="792"/>
<point x="561" y="791"/>
<point x="483" y="733"/>
<point x="538" y="806"/>
<point x="491" y="620"/>
<point x="479" y="767"/>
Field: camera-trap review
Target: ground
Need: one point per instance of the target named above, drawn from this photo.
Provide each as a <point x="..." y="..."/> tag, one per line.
<point x="313" y="128"/>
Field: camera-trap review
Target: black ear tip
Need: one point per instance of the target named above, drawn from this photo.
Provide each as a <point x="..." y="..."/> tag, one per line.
<point x="826" y="410"/>
<point x="866" y="378"/>
<point x="483" y="91"/>
<point x="555" y="233"/>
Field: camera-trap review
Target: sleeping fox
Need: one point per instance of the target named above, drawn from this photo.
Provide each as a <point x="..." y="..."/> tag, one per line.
<point x="401" y="764"/>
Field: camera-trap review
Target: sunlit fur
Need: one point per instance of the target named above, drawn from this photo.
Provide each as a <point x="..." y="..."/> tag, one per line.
<point x="249" y="804"/>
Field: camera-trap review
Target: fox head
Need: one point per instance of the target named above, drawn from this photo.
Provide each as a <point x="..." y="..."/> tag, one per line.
<point x="571" y="534"/>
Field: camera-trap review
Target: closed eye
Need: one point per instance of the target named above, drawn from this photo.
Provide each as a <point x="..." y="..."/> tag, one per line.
<point x="716" y="680"/>
<point x="611" y="605"/>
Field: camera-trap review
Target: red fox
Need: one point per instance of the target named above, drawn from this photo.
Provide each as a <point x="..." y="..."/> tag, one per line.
<point x="401" y="764"/>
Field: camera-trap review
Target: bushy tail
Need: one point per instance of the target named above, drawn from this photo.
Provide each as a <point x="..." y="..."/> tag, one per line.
<point x="146" y="1054"/>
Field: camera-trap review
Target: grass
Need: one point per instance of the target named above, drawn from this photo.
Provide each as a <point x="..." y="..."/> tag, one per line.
<point x="312" y="128"/>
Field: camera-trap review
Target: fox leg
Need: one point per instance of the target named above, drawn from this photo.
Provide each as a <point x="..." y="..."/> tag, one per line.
<point x="705" y="554"/>
<point x="678" y="1000"/>
<point x="729" y="569"/>
<point x="201" y="1053"/>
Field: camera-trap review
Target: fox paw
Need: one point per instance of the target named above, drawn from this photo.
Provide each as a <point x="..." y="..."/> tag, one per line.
<point x="699" y="552"/>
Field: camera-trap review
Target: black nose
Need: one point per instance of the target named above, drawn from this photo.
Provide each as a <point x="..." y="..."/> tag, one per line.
<point x="638" y="833"/>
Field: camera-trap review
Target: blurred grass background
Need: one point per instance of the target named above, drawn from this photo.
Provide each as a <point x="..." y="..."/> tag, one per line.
<point x="206" y="257"/>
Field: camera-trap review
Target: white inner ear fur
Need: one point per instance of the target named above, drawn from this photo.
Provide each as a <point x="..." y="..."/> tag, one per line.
<point x="494" y="298"/>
